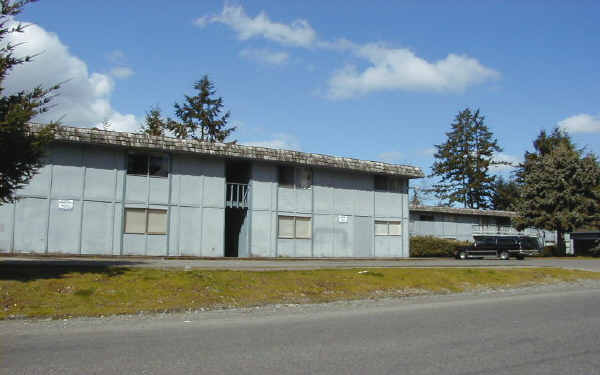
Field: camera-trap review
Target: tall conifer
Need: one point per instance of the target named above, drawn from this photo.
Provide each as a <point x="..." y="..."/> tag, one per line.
<point x="462" y="163"/>
<point x="20" y="149"/>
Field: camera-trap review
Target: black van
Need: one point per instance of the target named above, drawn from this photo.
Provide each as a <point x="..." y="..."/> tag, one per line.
<point x="502" y="247"/>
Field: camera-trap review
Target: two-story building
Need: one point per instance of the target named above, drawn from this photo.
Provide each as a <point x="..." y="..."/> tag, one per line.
<point x="111" y="193"/>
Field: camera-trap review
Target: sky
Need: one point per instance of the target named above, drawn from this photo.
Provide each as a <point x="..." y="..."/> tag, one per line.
<point x="381" y="80"/>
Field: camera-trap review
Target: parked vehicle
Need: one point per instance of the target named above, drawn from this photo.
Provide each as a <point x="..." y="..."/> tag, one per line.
<point x="502" y="247"/>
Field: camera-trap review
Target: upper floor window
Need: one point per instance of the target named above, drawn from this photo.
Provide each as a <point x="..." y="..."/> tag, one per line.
<point x="426" y="218"/>
<point x="148" y="164"/>
<point x="295" y="177"/>
<point x="388" y="183"/>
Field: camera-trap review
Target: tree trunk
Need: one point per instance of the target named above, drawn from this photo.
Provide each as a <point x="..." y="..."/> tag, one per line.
<point x="560" y="242"/>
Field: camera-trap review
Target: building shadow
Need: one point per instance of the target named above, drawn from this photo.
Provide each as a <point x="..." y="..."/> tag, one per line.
<point x="29" y="270"/>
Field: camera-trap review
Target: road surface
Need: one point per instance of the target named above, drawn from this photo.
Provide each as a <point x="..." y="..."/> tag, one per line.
<point x="550" y="332"/>
<point x="298" y="264"/>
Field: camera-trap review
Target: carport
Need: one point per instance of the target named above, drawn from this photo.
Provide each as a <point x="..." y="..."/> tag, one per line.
<point x="584" y="241"/>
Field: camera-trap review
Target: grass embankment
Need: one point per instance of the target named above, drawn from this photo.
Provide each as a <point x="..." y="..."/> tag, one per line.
<point x="92" y="291"/>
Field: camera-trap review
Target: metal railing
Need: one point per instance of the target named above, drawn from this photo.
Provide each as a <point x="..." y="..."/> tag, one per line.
<point x="504" y="229"/>
<point x="494" y="229"/>
<point x="236" y="195"/>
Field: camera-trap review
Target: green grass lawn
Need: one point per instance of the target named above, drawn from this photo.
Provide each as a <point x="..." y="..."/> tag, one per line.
<point x="57" y="292"/>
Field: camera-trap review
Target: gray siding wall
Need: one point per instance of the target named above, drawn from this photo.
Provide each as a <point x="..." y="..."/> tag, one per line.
<point x="333" y="194"/>
<point x="94" y="179"/>
<point x="460" y="227"/>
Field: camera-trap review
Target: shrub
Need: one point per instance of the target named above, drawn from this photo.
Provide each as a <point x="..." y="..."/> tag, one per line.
<point x="550" y="251"/>
<point x="429" y="246"/>
<point x="595" y="250"/>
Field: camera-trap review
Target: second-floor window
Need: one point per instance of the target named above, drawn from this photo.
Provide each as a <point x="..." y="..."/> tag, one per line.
<point x="295" y="177"/>
<point x="143" y="164"/>
<point x="388" y="183"/>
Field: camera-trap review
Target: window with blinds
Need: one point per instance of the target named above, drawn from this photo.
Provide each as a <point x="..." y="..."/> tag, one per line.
<point x="145" y="221"/>
<point x="294" y="227"/>
<point x="388" y="228"/>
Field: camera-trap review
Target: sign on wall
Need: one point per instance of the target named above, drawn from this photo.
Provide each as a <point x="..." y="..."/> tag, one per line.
<point x="342" y="219"/>
<point x="65" y="204"/>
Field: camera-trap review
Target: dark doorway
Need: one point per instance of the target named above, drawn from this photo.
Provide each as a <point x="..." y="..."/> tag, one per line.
<point x="234" y="221"/>
<point x="236" y="203"/>
<point x="238" y="172"/>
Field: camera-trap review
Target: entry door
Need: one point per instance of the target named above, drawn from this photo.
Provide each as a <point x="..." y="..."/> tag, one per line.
<point x="363" y="236"/>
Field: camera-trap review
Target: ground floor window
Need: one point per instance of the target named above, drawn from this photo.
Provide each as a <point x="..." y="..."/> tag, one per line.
<point x="145" y="221"/>
<point x="388" y="228"/>
<point x="294" y="227"/>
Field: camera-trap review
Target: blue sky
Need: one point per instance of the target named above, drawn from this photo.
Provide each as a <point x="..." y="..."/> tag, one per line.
<point x="381" y="81"/>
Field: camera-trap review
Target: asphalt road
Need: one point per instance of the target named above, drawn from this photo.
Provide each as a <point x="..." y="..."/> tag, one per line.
<point x="556" y="332"/>
<point x="300" y="264"/>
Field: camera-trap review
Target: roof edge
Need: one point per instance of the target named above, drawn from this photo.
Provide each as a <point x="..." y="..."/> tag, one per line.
<point x="462" y="211"/>
<point x="70" y="134"/>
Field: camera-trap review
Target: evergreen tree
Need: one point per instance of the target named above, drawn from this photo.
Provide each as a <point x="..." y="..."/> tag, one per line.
<point x="559" y="186"/>
<point x="154" y="124"/>
<point x="200" y="115"/>
<point x="20" y="149"/>
<point x="505" y="194"/>
<point x="415" y="200"/>
<point x="462" y="162"/>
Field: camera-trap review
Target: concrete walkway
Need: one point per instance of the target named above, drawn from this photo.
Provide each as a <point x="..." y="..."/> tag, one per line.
<point x="297" y="264"/>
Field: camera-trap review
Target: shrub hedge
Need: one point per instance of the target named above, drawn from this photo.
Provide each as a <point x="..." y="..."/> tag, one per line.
<point x="429" y="246"/>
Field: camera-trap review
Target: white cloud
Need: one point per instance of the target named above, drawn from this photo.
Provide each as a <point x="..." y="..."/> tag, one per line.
<point x="401" y="69"/>
<point x="581" y="123"/>
<point x="298" y="33"/>
<point x="280" y="141"/>
<point x="83" y="98"/>
<point x="121" y="72"/>
<point x="388" y="68"/>
<point x="391" y="156"/>
<point x="265" y="56"/>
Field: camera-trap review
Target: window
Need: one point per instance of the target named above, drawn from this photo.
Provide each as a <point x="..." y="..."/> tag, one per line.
<point x="303" y="229"/>
<point x="137" y="164"/>
<point x="286" y="176"/>
<point x="145" y="221"/>
<point x="530" y="243"/>
<point x="294" y="227"/>
<point x="295" y="177"/>
<point x="147" y="165"/>
<point x="388" y="228"/>
<point x="388" y="183"/>
<point x="381" y="182"/>
<point x="286" y="227"/>
<point x="135" y="220"/>
<point x="426" y="218"/>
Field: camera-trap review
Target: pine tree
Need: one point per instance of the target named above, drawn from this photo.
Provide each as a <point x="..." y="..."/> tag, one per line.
<point x="505" y="194"/>
<point x="200" y="116"/>
<point x="20" y="149"/>
<point x="154" y="124"/>
<point x="559" y="186"/>
<point x="462" y="162"/>
<point x="415" y="200"/>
